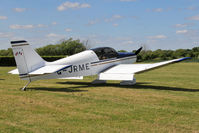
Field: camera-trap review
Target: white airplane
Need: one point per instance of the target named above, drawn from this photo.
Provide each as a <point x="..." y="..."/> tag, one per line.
<point x="104" y="62"/>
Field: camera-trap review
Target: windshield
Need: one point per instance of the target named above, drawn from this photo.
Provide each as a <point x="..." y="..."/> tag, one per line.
<point x="105" y="53"/>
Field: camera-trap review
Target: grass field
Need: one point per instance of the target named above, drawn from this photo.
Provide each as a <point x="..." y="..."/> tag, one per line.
<point x="163" y="100"/>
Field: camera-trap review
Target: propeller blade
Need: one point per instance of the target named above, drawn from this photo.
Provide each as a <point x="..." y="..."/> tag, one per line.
<point x="138" y="51"/>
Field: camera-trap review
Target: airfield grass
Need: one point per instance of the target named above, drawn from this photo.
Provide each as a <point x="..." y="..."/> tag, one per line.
<point x="163" y="100"/>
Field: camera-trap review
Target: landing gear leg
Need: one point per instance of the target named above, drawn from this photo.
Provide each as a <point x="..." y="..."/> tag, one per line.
<point x="24" y="88"/>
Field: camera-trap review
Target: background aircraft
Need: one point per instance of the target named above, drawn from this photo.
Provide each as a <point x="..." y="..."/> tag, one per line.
<point x="104" y="62"/>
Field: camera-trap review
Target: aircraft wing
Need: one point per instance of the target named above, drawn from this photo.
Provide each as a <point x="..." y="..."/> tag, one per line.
<point x="127" y="71"/>
<point x="44" y="70"/>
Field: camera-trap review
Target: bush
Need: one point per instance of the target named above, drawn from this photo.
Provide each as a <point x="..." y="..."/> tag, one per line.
<point x="10" y="61"/>
<point x="7" y="61"/>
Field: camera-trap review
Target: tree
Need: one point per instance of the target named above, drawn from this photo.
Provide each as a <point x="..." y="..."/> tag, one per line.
<point x="7" y="52"/>
<point x="65" y="47"/>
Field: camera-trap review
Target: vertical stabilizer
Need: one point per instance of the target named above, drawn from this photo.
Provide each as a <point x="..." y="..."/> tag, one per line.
<point x="26" y="58"/>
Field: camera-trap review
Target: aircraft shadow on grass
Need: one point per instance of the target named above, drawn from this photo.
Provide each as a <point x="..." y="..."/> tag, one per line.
<point x="71" y="89"/>
<point x="138" y="85"/>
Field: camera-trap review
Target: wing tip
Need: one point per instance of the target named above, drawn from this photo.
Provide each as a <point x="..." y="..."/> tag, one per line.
<point x="182" y="59"/>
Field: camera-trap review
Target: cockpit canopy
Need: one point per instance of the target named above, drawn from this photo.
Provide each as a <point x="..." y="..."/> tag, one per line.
<point x="105" y="53"/>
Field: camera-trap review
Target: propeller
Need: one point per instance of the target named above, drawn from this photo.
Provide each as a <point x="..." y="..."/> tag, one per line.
<point x="138" y="51"/>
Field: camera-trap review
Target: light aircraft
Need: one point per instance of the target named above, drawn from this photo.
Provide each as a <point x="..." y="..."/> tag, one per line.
<point x="104" y="62"/>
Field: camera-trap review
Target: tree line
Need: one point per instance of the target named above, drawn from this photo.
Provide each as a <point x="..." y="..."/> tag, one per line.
<point x="63" y="48"/>
<point x="70" y="47"/>
<point x="159" y="54"/>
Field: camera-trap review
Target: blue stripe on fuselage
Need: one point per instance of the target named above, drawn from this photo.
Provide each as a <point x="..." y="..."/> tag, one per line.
<point x="125" y="54"/>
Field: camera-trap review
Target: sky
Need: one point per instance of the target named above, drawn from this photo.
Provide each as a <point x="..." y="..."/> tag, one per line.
<point x="121" y="24"/>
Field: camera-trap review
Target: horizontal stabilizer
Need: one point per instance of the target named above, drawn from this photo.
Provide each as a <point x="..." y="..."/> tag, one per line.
<point x="44" y="70"/>
<point x="15" y="71"/>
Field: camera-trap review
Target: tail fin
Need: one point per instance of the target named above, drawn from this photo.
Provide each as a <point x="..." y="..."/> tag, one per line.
<point x="26" y="58"/>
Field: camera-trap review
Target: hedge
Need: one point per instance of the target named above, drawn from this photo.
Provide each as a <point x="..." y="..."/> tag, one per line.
<point x="10" y="61"/>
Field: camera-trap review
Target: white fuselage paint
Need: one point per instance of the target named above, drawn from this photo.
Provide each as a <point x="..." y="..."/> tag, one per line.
<point x="83" y="64"/>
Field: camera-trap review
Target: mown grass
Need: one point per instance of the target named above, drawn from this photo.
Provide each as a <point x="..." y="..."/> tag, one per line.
<point x="163" y="100"/>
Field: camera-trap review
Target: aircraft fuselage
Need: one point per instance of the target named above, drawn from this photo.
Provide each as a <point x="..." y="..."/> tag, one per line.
<point x="86" y="63"/>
